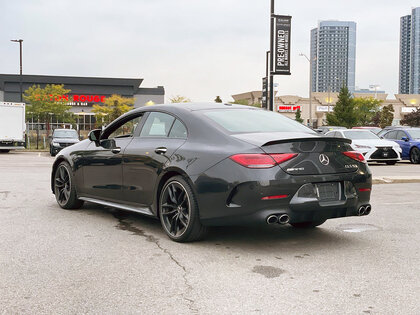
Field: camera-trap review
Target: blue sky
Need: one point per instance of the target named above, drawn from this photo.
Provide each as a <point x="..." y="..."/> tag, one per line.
<point x="199" y="49"/>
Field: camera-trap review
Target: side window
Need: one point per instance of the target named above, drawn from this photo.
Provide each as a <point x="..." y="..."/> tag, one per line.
<point x="330" y="134"/>
<point x="178" y="130"/>
<point x="338" y="135"/>
<point x="127" y="129"/>
<point x="391" y="135"/>
<point x="157" y="125"/>
<point x="400" y="135"/>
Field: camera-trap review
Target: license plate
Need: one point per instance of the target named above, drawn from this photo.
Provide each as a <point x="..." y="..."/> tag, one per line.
<point x="328" y="191"/>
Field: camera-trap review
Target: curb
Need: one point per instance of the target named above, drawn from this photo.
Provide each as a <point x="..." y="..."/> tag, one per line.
<point x="395" y="180"/>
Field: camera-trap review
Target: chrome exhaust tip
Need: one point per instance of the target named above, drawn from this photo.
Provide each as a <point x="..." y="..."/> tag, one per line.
<point x="271" y="219"/>
<point x="283" y="219"/>
<point x="368" y="208"/>
<point x="361" y="211"/>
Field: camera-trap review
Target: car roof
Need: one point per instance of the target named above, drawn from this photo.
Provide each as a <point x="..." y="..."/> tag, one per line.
<point x="193" y="106"/>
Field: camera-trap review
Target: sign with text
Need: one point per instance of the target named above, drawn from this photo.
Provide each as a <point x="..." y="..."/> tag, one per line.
<point x="264" y="93"/>
<point x="289" y="108"/>
<point x="281" y="54"/>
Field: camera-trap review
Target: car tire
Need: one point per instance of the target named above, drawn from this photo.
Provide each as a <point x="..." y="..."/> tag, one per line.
<point x="179" y="212"/>
<point x="4" y="151"/>
<point x="391" y="162"/>
<point x="64" y="187"/>
<point x="415" y="155"/>
<point x="308" y="224"/>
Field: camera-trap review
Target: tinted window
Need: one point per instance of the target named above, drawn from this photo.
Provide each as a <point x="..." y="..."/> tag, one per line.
<point x="391" y="135"/>
<point x="252" y="120"/>
<point x="359" y="135"/>
<point x="157" y="125"/>
<point x="400" y="135"/>
<point x="71" y="133"/>
<point x="178" y="130"/>
<point x="127" y="129"/>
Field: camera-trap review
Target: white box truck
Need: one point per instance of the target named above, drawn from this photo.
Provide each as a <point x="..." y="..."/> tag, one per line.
<point x="12" y="126"/>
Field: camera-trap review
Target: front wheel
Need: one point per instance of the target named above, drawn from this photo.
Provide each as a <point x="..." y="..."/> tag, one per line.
<point x="308" y="224"/>
<point x="64" y="188"/>
<point x="415" y="155"/>
<point x="179" y="213"/>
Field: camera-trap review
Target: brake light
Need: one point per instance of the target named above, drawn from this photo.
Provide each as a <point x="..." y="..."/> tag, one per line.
<point x="274" y="197"/>
<point x="364" y="189"/>
<point x="258" y="160"/>
<point x="355" y="156"/>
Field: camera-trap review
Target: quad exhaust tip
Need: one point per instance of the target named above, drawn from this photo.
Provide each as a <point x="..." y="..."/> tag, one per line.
<point x="364" y="210"/>
<point x="278" y="218"/>
<point x="272" y="219"/>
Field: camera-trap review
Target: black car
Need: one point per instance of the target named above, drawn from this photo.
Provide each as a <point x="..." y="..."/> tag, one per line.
<point x="62" y="138"/>
<point x="200" y="165"/>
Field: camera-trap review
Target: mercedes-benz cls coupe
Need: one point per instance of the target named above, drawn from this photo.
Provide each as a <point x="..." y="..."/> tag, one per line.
<point x="193" y="166"/>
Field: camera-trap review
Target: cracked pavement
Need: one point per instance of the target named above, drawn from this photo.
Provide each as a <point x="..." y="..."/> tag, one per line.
<point x="101" y="260"/>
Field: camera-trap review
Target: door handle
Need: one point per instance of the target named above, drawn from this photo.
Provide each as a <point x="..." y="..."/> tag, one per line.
<point x="116" y="150"/>
<point x="161" y="150"/>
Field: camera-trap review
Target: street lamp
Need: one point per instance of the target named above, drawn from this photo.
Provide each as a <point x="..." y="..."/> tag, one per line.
<point x="310" y="87"/>
<point x="20" y="78"/>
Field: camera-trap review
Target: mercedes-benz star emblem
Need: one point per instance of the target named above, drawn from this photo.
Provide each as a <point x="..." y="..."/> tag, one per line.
<point x="324" y="159"/>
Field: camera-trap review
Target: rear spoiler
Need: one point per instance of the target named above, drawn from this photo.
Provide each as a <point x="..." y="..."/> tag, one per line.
<point x="327" y="139"/>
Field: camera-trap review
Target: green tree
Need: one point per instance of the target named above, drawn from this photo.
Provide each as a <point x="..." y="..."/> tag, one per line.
<point x="366" y="109"/>
<point x="387" y="115"/>
<point x="298" y="116"/>
<point x="179" y="99"/>
<point x="412" y="119"/>
<point x="48" y="101"/>
<point x="344" y="113"/>
<point x="218" y="99"/>
<point x="113" y="107"/>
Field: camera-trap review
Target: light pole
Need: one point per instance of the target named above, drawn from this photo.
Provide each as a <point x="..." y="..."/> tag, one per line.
<point x="20" y="77"/>
<point x="310" y="88"/>
<point x="375" y="86"/>
<point x="271" y="102"/>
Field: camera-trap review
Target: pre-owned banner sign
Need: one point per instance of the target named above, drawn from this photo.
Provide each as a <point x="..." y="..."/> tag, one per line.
<point x="281" y="54"/>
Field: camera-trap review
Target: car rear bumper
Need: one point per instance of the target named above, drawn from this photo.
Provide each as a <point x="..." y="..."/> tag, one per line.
<point x="240" y="201"/>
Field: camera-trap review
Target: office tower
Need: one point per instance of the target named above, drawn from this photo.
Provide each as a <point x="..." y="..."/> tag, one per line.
<point x="409" y="78"/>
<point x="333" y="55"/>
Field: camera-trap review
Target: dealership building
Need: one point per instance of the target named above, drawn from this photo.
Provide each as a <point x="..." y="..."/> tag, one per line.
<point x="84" y="91"/>
<point x="324" y="102"/>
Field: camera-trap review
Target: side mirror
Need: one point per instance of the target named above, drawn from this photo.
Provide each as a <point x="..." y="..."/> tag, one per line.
<point x="95" y="135"/>
<point x="404" y="139"/>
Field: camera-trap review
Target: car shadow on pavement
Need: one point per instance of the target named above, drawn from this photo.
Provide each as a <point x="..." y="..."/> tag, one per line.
<point x="261" y="238"/>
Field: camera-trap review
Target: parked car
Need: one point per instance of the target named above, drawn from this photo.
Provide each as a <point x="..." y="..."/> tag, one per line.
<point x="62" y="138"/>
<point x="409" y="141"/>
<point x="325" y="129"/>
<point x="388" y="128"/>
<point x="370" y="145"/>
<point x="200" y="165"/>
<point x="375" y="130"/>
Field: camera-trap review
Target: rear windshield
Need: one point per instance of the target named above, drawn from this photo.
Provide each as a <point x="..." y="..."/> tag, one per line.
<point x="66" y="134"/>
<point x="360" y="135"/>
<point x="252" y="120"/>
<point x="414" y="133"/>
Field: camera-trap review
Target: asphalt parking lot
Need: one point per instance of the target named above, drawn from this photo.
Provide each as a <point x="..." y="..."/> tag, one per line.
<point x="99" y="260"/>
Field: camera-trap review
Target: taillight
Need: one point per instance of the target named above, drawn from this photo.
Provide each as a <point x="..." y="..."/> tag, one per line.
<point x="355" y="156"/>
<point x="257" y="160"/>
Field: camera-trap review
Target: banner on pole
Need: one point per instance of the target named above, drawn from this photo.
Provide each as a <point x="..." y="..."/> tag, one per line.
<point x="281" y="54"/>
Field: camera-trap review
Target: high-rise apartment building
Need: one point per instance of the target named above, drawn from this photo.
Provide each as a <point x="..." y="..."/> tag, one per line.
<point x="333" y="55"/>
<point x="409" y="79"/>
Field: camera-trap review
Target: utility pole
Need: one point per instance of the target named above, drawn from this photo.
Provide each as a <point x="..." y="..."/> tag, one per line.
<point x="310" y="88"/>
<point x="271" y="83"/>
<point x="20" y="76"/>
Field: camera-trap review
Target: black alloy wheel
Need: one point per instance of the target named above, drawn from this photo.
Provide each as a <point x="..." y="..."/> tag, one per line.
<point x="179" y="211"/>
<point x="415" y="155"/>
<point x="64" y="190"/>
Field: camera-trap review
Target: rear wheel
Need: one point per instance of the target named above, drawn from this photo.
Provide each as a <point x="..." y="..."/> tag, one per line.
<point x="391" y="162"/>
<point x="64" y="188"/>
<point x="179" y="213"/>
<point x="415" y="155"/>
<point x="308" y="224"/>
